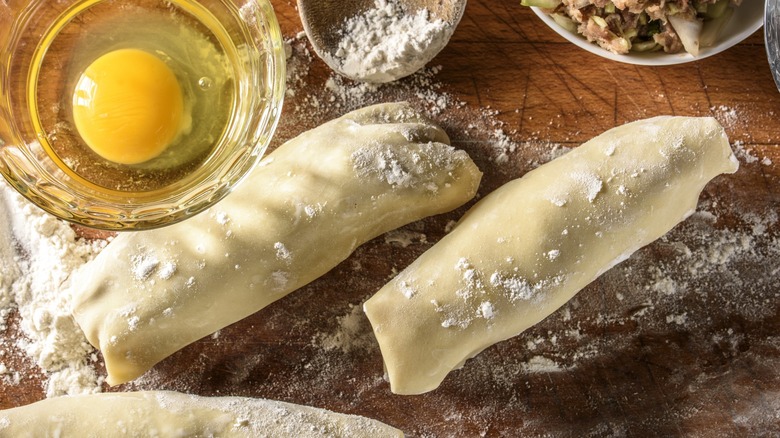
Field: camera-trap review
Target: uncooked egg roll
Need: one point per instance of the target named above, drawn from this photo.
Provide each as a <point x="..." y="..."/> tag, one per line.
<point x="301" y="212"/>
<point x="172" y="414"/>
<point x="531" y="245"/>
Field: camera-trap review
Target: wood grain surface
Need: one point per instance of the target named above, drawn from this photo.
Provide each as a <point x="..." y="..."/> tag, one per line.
<point x="680" y="340"/>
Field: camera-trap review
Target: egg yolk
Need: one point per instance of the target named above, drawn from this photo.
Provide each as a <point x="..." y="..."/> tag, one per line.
<point x="128" y="106"/>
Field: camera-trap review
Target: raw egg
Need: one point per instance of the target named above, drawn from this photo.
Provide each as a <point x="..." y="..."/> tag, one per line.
<point x="128" y="106"/>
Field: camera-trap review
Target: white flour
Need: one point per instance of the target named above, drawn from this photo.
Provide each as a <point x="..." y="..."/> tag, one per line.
<point x="38" y="255"/>
<point x="380" y="161"/>
<point x="353" y="333"/>
<point x="9" y="269"/>
<point x="385" y="43"/>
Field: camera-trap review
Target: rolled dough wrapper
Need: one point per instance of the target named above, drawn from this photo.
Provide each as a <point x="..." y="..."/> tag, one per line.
<point x="530" y="246"/>
<point x="169" y="414"/>
<point x="304" y="210"/>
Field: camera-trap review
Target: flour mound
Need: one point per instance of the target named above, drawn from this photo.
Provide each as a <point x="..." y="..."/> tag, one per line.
<point x="384" y="43"/>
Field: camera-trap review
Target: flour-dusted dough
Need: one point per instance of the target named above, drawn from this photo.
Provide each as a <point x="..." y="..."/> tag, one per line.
<point x="172" y="414"/>
<point x="527" y="248"/>
<point x="9" y="270"/>
<point x="305" y="209"/>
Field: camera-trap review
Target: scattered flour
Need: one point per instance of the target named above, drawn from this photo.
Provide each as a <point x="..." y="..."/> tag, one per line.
<point x="10" y="271"/>
<point x="727" y="116"/>
<point x="404" y="238"/>
<point x="386" y="43"/>
<point x="282" y="253"/>
<point x="590" y="184"/>
<point x="406" y="170"/>
<point x="541" y="364"/>
<point x="747" y="155"/>
<point x="465" y="124"/>
<point x="677" y="319"/>
<point x="352" y="335"/>
<point x="166" y="271"/>
<point x="35" y="272"/>
<point x="144" y="265"/>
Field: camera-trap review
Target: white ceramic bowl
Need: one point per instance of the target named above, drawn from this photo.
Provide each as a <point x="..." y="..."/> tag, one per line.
<point x="747" y="19"/>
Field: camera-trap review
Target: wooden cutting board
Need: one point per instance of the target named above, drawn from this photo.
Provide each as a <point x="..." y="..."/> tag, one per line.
<point x="682" y="339"/>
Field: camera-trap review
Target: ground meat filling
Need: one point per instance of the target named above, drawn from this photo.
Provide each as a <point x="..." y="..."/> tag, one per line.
<point x="623" y="26"/>
<point x="668" y="39"/>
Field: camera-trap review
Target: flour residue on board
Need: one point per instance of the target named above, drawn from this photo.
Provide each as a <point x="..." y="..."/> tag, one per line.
<point x="464" y="123"/>
<point x="43" y="254"/>
<point x="353" y="334"/>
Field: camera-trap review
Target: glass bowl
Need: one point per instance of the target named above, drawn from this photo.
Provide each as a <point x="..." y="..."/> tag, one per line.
<point x="747" y="19"/>
<point x="228" y="58"/>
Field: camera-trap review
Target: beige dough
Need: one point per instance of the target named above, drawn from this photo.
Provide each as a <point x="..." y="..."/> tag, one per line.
<point x="9" y="270"/>
<point x="304" y="210"/>
<point x="530" y="246"/>
<point x="172" y="414"/>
